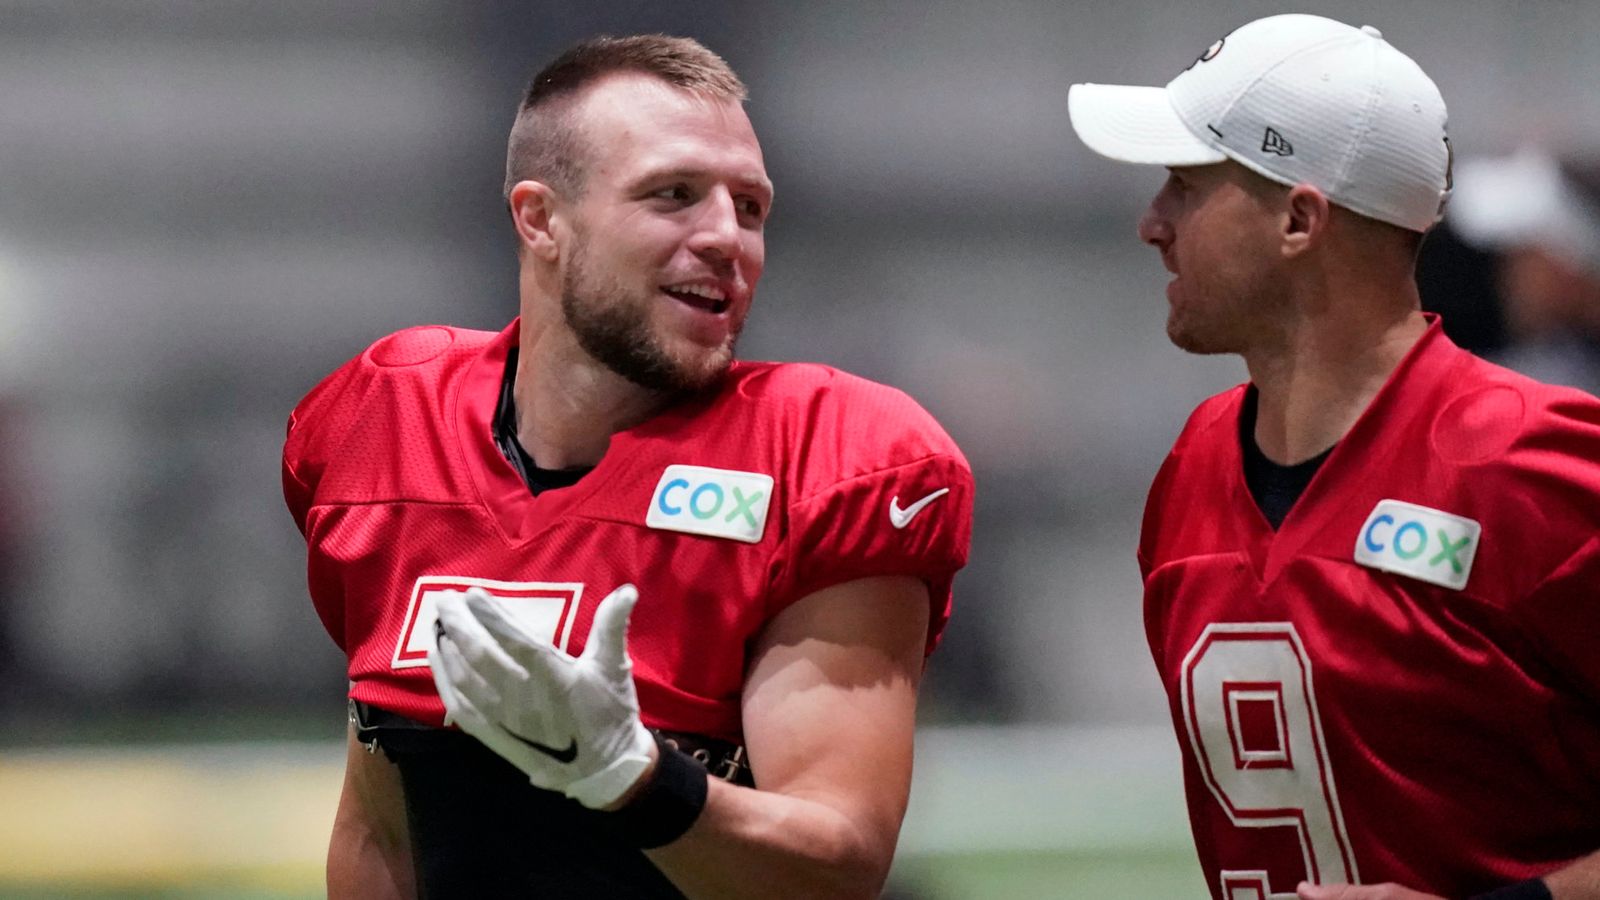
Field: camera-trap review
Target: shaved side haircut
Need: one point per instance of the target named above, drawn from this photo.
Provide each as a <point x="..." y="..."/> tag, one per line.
<point x="546" y="144"/>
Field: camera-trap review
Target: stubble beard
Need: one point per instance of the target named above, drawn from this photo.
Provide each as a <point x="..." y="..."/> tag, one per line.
<point x="614" y="328"/>
<point x="1224" y="317"/>
<point x="1186" y="337"/>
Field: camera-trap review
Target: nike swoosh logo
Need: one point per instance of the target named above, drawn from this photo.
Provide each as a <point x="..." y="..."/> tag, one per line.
<point x="563" y="756"/>
<point x="900" y="518"/>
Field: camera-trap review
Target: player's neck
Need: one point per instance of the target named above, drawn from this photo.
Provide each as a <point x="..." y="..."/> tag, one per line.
<point x="1316" y="381"/>
<point x="569" y="405"/>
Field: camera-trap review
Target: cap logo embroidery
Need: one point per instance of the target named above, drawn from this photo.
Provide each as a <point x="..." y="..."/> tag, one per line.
<point x="1273" y="142"/>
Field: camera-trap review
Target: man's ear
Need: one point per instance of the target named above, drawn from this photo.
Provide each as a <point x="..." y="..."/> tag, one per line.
<point x="1306" y="220"/>
<point x="534" y="215"/>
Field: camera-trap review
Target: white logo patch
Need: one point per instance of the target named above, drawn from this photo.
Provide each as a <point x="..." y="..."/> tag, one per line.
<point x="1426" y="544"/>
<point x="544" y="609"/>
<point x="900" y="518"/>
<point x="713" y="502"/>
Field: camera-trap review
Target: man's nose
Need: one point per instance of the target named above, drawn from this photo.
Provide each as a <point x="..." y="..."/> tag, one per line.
<point x="1154" y="229"/>
<point x="717" y="231"/>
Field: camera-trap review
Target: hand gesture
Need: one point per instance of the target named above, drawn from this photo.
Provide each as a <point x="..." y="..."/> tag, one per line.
<point x="572" y="724"/>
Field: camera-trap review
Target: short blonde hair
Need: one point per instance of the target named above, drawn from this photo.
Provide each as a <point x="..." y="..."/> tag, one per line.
<point x="545" y="143"/>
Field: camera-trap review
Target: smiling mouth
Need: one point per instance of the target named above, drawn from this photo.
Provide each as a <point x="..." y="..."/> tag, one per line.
<point x="708" y="299"/>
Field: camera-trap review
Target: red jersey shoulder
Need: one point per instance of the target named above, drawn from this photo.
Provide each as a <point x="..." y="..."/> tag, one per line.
<point x="1521" y="457"/>
<point x="1207" y="440"/>
<point x="810" y="428"/>
<point x="1210" y="429"/>
<point x="361" y="418"/>
<point x="1506" y="425"/>
<point x="859" y="425"/>
<point x="872" y="484"/>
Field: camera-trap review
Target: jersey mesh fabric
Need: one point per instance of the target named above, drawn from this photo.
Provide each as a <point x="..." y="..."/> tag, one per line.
<point x="391" y="472"/>
<point x="393" y="476"/>
<point x="1451" y="738"/>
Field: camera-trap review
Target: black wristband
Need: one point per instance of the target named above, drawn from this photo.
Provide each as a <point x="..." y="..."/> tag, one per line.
<point x="666" y="805"/>
<point x="1532" y="889"/>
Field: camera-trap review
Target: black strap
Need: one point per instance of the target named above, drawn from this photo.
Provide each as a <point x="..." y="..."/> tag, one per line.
<point x="667" y="805"/>
<point x="396" y="734"/>
<point x="1532" y="889"/>
<point x="504" y="431"/>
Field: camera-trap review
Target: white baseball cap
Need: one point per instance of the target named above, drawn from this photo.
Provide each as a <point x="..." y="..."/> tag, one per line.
<point x="1298" y="99"/>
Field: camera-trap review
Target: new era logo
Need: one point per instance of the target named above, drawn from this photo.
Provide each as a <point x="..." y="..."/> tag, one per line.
<point x="1273" y="142"/>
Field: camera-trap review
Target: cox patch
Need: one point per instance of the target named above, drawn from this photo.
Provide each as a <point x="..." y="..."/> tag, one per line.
<point x="544" y="609"/>
<point x="1425" y="544"/>
<point x="713" y="502"/>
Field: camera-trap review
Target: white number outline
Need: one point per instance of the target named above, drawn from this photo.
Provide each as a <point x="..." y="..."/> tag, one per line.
<point x="1219" y="632"/>
<point x="544" y="608"/>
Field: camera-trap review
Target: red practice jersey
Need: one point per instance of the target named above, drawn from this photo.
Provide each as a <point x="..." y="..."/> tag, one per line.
<point x="1402" y="683"/>
<point x="722" y="510"/>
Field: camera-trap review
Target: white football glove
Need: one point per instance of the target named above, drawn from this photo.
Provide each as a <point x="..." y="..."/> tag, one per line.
<point x="571" y="724"/>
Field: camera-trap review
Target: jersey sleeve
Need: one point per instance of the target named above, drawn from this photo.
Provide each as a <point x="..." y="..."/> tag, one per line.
<point x="888" y="493"/>
<point x="1168" y="499"/>
<point x="1563" y="615"/>
<point x="333" y="410"/>
<point x="1150" y="525"/>
<point x="1554" y="488"/>
<point x="314" y="425"/>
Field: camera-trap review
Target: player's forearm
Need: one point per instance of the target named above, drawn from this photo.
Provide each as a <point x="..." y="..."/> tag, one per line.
<point x="1578" y="881"/>
<point x="750" y="843"/>
<point x="363" y="866"/>
<point x="369" y="851"/>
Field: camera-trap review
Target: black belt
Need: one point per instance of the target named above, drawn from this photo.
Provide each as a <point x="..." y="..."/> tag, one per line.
<point x="377" y="727"/>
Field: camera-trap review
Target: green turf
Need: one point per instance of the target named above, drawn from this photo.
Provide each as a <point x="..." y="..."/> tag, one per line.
<point x="209" y="891"/>
<point x="1125" y="875"/>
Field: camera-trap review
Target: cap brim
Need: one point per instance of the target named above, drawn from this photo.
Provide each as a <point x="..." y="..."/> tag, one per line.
<point x="1136" y="125"/>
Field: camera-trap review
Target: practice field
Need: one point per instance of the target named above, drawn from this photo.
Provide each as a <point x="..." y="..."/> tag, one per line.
<point x="1014" y="813"/>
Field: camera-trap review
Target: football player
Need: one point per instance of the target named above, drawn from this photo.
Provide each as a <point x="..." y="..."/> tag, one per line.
<point x="686" y="599"/>
<point x="1371" y="572"/>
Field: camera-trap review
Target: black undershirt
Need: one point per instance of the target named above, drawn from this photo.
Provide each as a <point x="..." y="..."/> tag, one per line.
<point x="1275" y="488"/>
<point x="504" y="428"/>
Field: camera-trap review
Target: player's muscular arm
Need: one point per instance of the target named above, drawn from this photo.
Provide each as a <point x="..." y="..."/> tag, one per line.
<point x="829" y="710"/>
<point x="1579" y="881"/>
<point x="369" y="854"/>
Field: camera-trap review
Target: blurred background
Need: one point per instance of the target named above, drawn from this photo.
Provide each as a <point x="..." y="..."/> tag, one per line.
<point x="206" y="205"/>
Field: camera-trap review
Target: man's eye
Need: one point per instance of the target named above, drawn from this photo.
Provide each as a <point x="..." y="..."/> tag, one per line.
<point x="677" y="192"/>
<point x="752" y="208"/>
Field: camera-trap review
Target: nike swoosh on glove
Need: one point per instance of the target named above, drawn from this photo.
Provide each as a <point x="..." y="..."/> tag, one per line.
<point x="572" y="724"/>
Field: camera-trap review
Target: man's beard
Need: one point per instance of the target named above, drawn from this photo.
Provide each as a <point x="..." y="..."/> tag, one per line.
<point x="615" y="330"/>
<point x="1192" y="339"/>
<point x="1237" y="315"/>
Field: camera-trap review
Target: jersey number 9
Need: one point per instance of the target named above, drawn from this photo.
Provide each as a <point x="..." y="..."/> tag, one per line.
<point x="1252" y="723"/>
